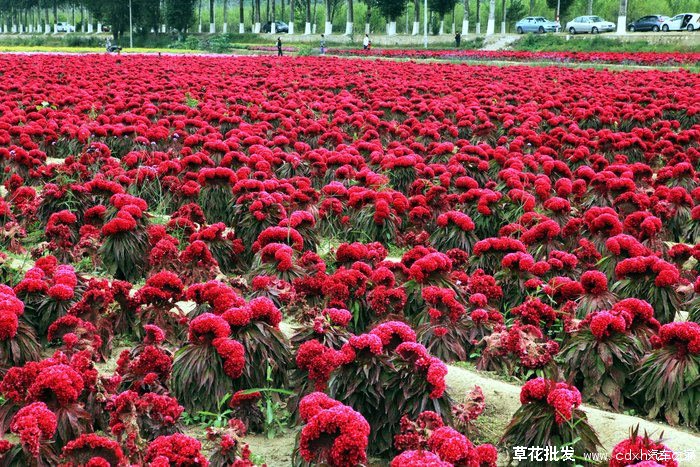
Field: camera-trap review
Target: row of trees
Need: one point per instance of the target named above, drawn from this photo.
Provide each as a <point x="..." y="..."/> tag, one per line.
<point x="179" y="15"/>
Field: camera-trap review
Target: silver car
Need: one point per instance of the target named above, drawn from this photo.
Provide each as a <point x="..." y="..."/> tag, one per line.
<point x="592" y="24"/>
<point x="536" y="24"/>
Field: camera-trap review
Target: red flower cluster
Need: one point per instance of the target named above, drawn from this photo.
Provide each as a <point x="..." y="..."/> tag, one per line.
<point x="233" y="354"/>
<point x="284" y="235"/>
<point x="603" y="324"/>
<point x="562" y="398"/>
<point x="385" y="300"/>
<point x="345" y="433"/>
<point x="348" y="253"/>
<point x="154" y="408"/>
<point x="641" y="451"/>
<point x="207" y="327"/>
<point x="433" y="368"/>
<point x="430" y="266"/>
<point x="534" y="311"/>
<point x="453" y="447"/>
<point x="319" y="361"/>
<point x="461" y="220"/>
<point x="393" y="333"/>
<point x="11" y="308"/>
<point x="664" y="274"/>
<point x="441" y="301"/>
<point x="684" y="336"/>
<point x="219" y="296"/>
<point x="177" y="449"/>
<point x="33" y="424"/>
<point x="151" y="365"/>
<point x="123" y="222"/>
<point x="98" y="450"/>
<point x="164" y="286"/>
<point x="594" y="282"/>
<point x="498" y="245"/>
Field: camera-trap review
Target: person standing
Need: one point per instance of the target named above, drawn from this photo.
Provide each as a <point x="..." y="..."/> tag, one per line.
<point x="279" y="46"/>
<point x="323" y="44"/>
<point x="458" y="39"/>
<point x="365" y="42"/>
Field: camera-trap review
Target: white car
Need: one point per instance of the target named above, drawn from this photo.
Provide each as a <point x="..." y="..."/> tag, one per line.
<point x="683" y="22"/>
<point x="65" y="27"/>
<point x="592" y="24"/>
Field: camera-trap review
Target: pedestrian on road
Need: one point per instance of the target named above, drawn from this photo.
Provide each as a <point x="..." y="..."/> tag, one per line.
<point x="323" y="44"/>
<point x="279" y="46"/>
<point x="365" y="42"/>
<point x="458" y="39"/>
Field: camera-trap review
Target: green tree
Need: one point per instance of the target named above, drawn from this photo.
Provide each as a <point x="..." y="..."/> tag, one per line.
<point x="515" y="11"/>
<point x="564" y="6"/>
<point x="391" y="9"/>
<point x="179" y="14"/>
<point x="441" y="7"/>
<point x="146" y="15"/>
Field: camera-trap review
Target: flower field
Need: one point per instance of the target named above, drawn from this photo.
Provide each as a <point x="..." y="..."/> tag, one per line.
<point x="200" y="249"/>
<point x="612" y="58"/>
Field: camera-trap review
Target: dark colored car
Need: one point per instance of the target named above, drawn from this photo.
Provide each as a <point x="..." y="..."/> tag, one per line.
<point x="280" y="26"/>
<point x="648" y="23"/>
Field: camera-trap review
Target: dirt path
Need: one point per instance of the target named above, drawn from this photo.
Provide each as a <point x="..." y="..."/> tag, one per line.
<point x="499" y="42"/>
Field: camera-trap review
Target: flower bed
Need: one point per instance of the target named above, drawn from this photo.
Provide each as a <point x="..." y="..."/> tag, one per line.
<point x="613" y="58"/>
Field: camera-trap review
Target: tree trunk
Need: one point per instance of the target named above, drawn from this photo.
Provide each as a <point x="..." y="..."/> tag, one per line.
<point x="225" y="16"/>
<point x="291" y="16"/>
<point x="622" y="18"/>
<point x="465" y="18"/>
<point x="491" y="24"/>
<point x="200" y="16"/>
<point x="503" y="23"/>
<point x="532" y="7"/>
<point x="241" y="17"/>
<point x="350" y="23"/>
<point x="368" y="18"/>
<point x="328" y="27"/>
<point x="478" y="16"/>
<point x="589" y="7"/>
<point x="416" y="18"/>
<point x="267" y="10"/>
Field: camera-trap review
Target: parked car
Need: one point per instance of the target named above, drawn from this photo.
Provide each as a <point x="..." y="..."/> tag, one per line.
<point x="683" y="22"/>
<point x="106" y="28"/>
<point x="64" y="27"/>
<point x="280" y="26"/>
<point x="536" y="24"/>
<point x="648" y="23"/>
<point x="592" y="24"/>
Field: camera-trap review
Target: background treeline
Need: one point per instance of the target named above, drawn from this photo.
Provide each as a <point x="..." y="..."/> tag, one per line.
<point x="181" y="17"/>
